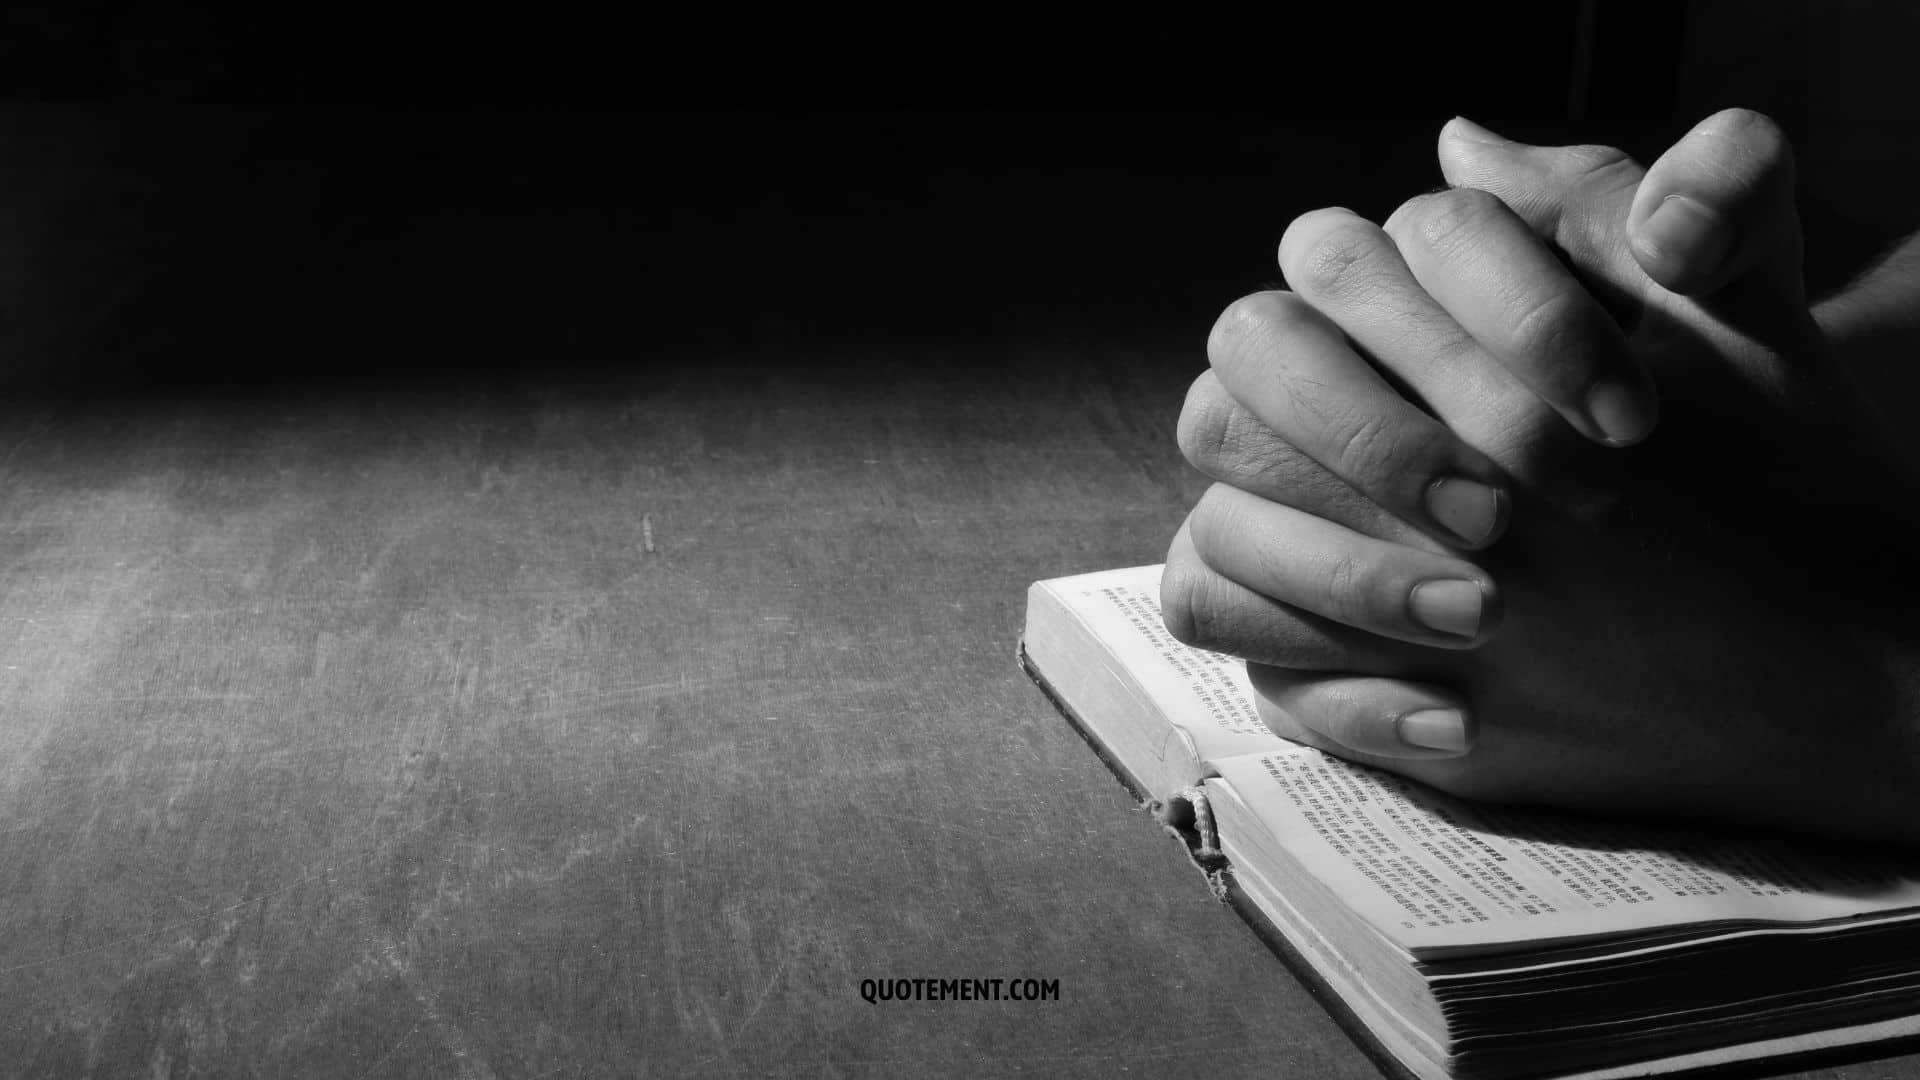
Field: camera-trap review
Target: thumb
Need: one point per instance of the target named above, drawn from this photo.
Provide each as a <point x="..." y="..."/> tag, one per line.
<point x="1712" y="220"/>
<point x="1574" y="197"/>
<point x="1715" y="214"/>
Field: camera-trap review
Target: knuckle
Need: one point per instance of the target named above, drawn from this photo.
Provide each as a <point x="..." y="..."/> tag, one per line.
<point x="1283" y="722"/>
<point x="1182" y="586"/>
<point x="1201" y="609"/>
<point x="1340" y="261"/>
<point x="1281" y="472"/>
<point x="1203" y="431"/>
<point x="1367" y="448"/>
<point x="1251" y="318"/>
<point x="1451" y="219"/>
<point x="1236" y="448"/>
<point x="1396" y="223"/>
<point x="1346" y="589"/>
<point x="1233" y="447"/>
<point x="1214" y="523"/>
<point x="1250" y="457"/>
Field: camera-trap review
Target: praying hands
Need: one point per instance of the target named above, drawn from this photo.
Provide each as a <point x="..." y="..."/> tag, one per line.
<point x="1551" y="489"/>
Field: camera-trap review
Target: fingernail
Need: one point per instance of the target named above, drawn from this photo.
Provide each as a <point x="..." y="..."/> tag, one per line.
<point x="1686" y="232"/>
<point x="1451" y="607"/>
<point x="1434" y="729"/>
<point x="1623" y="413"/>
<point x="1473" y="132"/>
<point x="1468" y="509"/>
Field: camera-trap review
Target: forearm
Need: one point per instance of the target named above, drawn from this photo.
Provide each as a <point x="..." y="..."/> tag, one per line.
<point x="1874" y="323"/>
<point x="1873" y="326"/>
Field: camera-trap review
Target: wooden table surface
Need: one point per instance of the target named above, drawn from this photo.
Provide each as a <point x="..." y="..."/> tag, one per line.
<point x="596" y="724"/>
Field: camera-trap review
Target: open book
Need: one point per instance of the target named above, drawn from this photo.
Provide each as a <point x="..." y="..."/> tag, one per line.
<point x="1477" y="941"/>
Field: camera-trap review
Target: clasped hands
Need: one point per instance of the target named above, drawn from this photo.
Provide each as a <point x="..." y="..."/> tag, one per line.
<point x="1548" y="490"/>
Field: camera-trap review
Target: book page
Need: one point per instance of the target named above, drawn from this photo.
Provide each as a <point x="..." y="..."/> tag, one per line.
<point x="1203" y="695"/>
<point x="1434" y="873"/>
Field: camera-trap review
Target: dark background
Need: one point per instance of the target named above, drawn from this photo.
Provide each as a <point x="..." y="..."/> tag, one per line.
<point x="199" y="197"/>
<point x="420" y="708"/>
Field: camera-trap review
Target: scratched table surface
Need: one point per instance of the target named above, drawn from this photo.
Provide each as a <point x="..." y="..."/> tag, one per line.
<point x="615" y="722"/>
